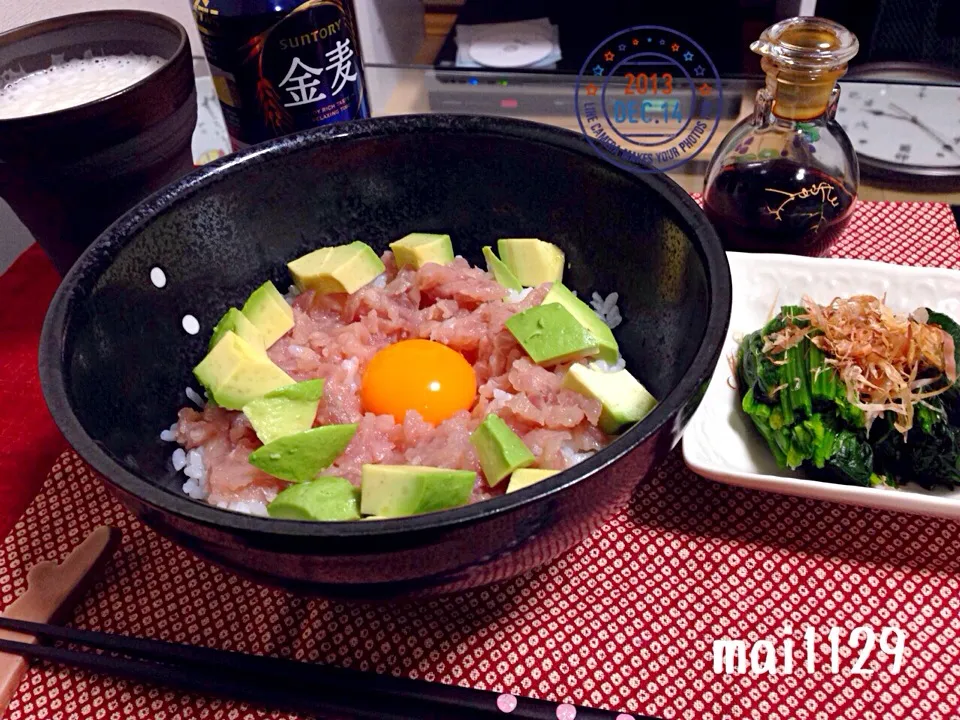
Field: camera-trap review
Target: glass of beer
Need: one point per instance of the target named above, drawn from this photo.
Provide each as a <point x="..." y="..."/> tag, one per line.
<point x="97" y="110"/>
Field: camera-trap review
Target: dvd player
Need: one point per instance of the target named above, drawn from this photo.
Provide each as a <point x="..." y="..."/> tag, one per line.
<point x="535" y="93"/>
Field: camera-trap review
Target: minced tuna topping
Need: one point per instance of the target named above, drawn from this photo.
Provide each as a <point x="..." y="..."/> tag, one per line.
<point x="335" y="336"/>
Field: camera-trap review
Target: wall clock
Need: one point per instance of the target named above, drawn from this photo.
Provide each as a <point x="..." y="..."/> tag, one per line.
<point x="904" y="122"/>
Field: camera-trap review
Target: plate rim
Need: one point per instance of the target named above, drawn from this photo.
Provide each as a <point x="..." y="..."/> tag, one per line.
<point x="876" y="498"/>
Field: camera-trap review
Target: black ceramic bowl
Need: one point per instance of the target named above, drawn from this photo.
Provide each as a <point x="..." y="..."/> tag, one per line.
<point x="115" y="359"/>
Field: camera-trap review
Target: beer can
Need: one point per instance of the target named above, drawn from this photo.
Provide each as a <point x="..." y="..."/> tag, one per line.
<point x="282" y="65"/>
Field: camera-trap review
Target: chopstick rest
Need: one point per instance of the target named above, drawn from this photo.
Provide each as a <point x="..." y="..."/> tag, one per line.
<point x="52" y="590"/>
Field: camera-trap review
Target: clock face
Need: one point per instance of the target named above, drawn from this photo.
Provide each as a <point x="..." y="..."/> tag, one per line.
<point x="904" y="125"/>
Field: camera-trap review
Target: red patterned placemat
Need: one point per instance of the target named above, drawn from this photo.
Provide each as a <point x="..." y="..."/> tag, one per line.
<point x="902" y="233"/>
<point x="625" y="620"/>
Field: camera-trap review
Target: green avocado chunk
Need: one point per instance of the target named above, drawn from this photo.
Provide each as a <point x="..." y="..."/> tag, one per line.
<point x="287" y="410"/>
<point x="325" y="498"/>
<point x="398" y="490"/>
<point x="234" y="372"/>
<point x="499" y="449"/>
<point x="340" y="269"/>
<point x="622" y="398"/>
<point x="299" y="457"/>
<point x="305" y="390"/>
<point x="236" y="321"/>
<point x="551" y="334"/>
<point x="609" y="350"/>
<point x="501" y="273"/>
<point x="527" y="476"/>
<point x="533" y="261"/>
<point x="269" y="311"/>
<point x="418" y="249"/>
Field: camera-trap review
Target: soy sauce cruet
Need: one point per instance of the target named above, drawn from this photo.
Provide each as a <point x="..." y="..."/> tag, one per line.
<point x="785" y="180"/>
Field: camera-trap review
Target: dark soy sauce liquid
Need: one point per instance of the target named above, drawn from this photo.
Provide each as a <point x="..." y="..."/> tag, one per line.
<point x="777" y="206"/>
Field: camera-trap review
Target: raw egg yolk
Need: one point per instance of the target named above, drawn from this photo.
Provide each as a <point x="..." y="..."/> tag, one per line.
<point x="420" y="375"/>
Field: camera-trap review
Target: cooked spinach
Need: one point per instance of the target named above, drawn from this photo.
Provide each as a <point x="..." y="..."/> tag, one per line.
<point x="799" y="405"/>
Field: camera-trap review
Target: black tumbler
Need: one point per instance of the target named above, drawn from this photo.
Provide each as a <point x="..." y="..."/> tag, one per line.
<point x="70" y="173"/>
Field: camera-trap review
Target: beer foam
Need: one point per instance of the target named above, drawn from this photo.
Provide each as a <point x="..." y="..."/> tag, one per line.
<point x="74" y="82"/>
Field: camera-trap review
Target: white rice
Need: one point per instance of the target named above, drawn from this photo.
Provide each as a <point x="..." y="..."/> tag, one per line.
<point x="573" y="457"/>
<point x="195" y="469"/>
<point x="500" y="399"/>
<point x="245" y="507"/>
<point x="604" y="366"/>
<point x="192" y="489"/>
<point x="515" y="296"/>
<point x="170" y="434"/>
<point x="195" y="397"/>
<point x="191" y="464"/>
<point x="380" y="281"/>
<point x="291" y="294"/>
<point x="606" y="308"/>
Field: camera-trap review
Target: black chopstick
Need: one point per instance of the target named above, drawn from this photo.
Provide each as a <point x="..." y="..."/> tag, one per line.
<point x="275" y="682"/>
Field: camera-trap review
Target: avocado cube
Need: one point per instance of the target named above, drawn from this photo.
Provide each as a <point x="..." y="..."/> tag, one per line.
<point x="499" y="449"/>
<point x="234" y="372"/>
<point x="299" y="457"/>
<point x="285" y="411"/>
<point x="236" y="321"/>
<point x="309" y="390"/>
<point x="585" y="315"/>
<point x="418" y="249"/>
<point x="623" y="399"/>
<point x="340" y="269"/>
<point x="267" y="309"/>
<point x="533" y="261"/>
<point x="528" y="476"/>
<point x="551" y="335"/>
<point x="501" y="273"/>
<point x="398" y="490"/>
<point x="326" y="498"/>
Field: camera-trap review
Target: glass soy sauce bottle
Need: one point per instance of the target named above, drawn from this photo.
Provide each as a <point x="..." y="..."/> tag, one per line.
<point x="785" y="180"/>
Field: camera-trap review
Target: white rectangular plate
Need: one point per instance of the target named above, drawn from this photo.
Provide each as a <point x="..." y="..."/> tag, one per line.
<point x="720" y="442"/>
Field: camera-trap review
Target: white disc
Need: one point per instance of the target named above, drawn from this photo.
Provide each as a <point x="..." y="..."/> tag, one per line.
<point x="513" y="49"/>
